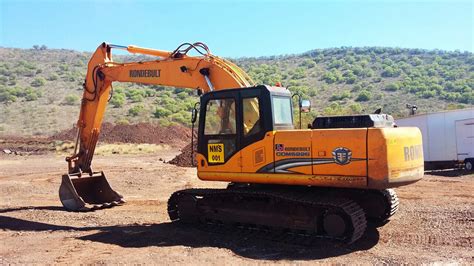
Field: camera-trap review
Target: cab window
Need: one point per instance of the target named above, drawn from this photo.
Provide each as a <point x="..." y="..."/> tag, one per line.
<point x="220" y="117"/>
<point x="282" y="111"/>
<point x="251" y="116"/>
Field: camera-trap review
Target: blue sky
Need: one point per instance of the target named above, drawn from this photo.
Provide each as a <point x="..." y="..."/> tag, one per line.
<point x="239" y="28"/>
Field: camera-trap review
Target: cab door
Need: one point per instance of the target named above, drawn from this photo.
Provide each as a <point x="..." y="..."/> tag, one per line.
<point x="218" y="143"/>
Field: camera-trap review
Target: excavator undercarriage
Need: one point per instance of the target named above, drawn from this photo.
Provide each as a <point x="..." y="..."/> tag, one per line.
<point x="310" y="213"/>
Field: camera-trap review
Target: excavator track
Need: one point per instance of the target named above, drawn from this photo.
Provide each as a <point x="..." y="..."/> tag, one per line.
<point x="379" y="205"/>
<point x="275" y="213"/>
<point x="393" y="204"/>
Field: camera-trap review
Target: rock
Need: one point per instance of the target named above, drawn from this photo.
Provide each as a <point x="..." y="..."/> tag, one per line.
<point x="7" y="151"/>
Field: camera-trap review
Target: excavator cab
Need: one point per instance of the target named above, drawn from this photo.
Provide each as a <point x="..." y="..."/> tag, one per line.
<point x="232" y="119"/>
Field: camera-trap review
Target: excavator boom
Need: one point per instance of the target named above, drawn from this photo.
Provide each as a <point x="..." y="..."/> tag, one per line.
<point x="84" y="189"/>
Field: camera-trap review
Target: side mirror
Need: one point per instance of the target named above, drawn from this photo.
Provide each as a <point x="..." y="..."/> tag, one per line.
<point x="305" y="106"/>
<point x="194" y="113"/>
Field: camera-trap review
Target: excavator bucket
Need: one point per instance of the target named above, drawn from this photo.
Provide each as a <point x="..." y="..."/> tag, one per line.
<point x="87" y="193"/>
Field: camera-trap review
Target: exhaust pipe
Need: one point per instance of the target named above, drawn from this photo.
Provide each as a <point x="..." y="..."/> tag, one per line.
<point x="87" y="193"/>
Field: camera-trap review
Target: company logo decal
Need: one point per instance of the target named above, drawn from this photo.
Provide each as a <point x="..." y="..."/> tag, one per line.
<point x="282" y="150"/>
<point x="144" y="73"/>
<point x="342" y="155"/>
<point x="414" y="152"/>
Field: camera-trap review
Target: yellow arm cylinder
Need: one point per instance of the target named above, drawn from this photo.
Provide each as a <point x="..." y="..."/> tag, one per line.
<point x="147" y="51"/>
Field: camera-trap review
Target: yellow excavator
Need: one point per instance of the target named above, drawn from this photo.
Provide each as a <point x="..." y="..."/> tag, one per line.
<point x="326" y="181"/>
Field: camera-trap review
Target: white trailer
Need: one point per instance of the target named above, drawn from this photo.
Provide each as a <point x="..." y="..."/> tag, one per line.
<point x="448" y="137"/>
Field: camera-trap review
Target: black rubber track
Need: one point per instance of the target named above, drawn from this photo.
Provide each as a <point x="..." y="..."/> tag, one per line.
<point x="327" y="203"/>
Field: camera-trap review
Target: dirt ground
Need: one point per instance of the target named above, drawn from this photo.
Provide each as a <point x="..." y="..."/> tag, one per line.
<point x="435" y="222"/>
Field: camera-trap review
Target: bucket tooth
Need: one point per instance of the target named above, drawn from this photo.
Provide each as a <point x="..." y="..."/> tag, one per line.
<point x="86" y="193"/>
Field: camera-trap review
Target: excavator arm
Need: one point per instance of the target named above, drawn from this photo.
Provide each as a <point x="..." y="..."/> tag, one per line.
<point x="206" y="72"/>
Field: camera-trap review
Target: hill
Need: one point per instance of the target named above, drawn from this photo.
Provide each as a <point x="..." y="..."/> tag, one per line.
<point x="40" y="88"/>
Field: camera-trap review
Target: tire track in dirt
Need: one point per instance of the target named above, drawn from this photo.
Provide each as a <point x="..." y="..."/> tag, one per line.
<point x="426" y="239"/>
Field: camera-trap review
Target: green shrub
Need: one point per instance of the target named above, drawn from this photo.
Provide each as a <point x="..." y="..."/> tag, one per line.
<point x="5" y="71"/>
<point x="329" y="77"/>
<point x="355" y="108"/>
<point x="136" y="110"/>
<point x="7" y="97"/>
<point x="392" y="87"/>
<point x="38" y="82"/>
<point x="364" y="96"/>
<point x="340" y="96"/>
<point x="63" y="67"/>
<point x="150" y="93"/>
<point x="32" y="94"/>
<point x="428" y="94"/>
<point x="391" y="71"/>
<point x="351" y="78"/>
<point x="71" y="99"/>
<point x="118" y="100"/>
<point x="122" y="121"/>
<point x="53" y="76"/>
<point x="308" y="63"/>
<point x="9" y="94"/>
<point x="135" y="95"/>
<point x="299" y="73"/>
<point x="136" y="98"/>
<point x="161" y="112"/>
<point x="12" y="80"/>
<point x="3" y="80"/>
<point x="182" y="95"/>
<point x="333" y="109"/>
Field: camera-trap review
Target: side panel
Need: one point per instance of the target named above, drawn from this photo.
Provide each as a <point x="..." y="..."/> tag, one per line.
<point x="435" y="127"/>
<point x="465" y="138"/>
<point x="258" y="154"/>
<point x="339" y="158"/>
<point x="292" y="151"/>
<point x="441" y="137"/>
<point x="395" y="157"/>
<point x="341" y="152"/>
<point x="233" y="164"/>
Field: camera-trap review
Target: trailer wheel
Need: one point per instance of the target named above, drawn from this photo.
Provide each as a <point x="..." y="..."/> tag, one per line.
<point x="468" y="164"/>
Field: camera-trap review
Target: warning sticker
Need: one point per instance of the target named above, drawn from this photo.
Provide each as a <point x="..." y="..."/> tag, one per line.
<point x="215" y="153"/>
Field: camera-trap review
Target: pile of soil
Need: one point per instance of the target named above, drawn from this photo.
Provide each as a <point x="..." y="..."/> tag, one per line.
<point x="185" y="159"/>
<point x="176" y="136"/>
